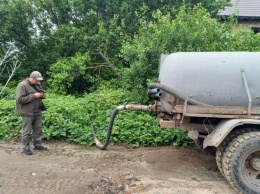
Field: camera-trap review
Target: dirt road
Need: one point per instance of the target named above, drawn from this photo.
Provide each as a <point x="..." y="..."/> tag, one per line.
<point x="73" y="169"/>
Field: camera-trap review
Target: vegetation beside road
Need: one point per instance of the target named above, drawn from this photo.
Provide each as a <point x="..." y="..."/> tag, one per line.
<point x="69" y="118"/>
<point x="97" y="56"/>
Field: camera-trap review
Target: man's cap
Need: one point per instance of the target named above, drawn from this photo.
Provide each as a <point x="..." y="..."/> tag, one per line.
<point x="37" y="75"/>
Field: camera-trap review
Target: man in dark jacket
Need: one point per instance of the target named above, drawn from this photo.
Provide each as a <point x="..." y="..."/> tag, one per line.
<point x="29" y="95"/>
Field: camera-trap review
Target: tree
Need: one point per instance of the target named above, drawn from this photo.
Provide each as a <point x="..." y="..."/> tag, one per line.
<point x="49" y="31"/>
<point x="193" y="29"/>
<point x="69" y="75"/>
<point x="16" y="25"/>
<point x="9" y="63"/>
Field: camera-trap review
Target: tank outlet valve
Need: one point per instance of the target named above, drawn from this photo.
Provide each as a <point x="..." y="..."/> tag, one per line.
<point x="154" y="91"/>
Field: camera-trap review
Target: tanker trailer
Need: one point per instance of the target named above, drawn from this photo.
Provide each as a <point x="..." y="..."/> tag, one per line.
<point x="216" y="97"/>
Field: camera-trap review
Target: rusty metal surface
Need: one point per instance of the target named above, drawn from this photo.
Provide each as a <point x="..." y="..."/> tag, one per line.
<point x="232" y="110"/>
<point x="167" y="124"/>
<point x="217" y="111"/>
<point x="138" y="107"/>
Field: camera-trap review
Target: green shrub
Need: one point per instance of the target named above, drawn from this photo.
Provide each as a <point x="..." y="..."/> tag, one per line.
<point x="7" y="93"/>
<point x="10" y="123"/>
<point x="69" y="118"/>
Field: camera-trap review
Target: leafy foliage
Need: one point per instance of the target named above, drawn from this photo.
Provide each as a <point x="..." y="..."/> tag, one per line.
<point x="8" y="93"/>
<point x="69" y="118"/>
<point x="10" y="124"/>
<point x="49" y="31"/>
<point x="193" y="30"/>
<point x="109" y="48"/>
<point x="67" y="74"/>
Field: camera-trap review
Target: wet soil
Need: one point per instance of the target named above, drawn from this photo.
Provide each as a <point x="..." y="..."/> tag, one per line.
<point x="75" y="169"/>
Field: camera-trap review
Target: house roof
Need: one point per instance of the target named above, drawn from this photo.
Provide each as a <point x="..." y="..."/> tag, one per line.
<point x="242" y="9"/>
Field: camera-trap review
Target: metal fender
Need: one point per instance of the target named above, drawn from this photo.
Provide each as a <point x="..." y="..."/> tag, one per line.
<point x="223" y="129"/>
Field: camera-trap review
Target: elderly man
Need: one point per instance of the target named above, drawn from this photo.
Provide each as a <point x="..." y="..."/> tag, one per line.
<point x="29" y="95"/>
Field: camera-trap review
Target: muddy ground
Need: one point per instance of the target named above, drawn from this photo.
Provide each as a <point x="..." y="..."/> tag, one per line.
<point x="74" y="169"/>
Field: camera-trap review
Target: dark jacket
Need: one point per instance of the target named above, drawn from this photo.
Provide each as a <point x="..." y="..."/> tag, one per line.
<point x="26" y="103"/>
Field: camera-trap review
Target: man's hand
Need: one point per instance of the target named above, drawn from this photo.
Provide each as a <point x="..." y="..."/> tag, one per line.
<point x="39" y="95"/>
<point x="43" y="95"/>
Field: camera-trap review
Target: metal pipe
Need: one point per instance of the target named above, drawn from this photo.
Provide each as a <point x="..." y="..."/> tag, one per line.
<point x="132" y="107"/>
<point x="175" y="93"/>
<point x="157" y="95"/>
<point x="247" y="91"/>
<point x="154" y="91"/>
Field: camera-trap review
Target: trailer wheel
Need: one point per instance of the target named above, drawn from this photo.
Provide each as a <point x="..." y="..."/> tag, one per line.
<point x="222" y="147"/>
<point x="241" y="163"/>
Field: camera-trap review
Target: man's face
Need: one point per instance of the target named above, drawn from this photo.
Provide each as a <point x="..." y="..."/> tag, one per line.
<point x="34" y="81"/>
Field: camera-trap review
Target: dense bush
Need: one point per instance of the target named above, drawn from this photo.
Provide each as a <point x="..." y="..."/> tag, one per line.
<point x="193" y="30"/>
<point x="10" y="124"/>
<point x="69" y="118"/>
<point x="112" y="59"/>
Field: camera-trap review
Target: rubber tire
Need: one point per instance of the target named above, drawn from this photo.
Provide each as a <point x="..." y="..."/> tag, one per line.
<point x="222" y="147"/>
<point x="234" y="159"/>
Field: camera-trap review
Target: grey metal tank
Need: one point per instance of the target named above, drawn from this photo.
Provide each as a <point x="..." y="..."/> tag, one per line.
<point x="213" y="78"/>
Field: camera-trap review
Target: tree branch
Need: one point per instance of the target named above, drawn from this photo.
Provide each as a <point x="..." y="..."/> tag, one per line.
<point x="108" y="63"/>
<point x="10" y="62"/>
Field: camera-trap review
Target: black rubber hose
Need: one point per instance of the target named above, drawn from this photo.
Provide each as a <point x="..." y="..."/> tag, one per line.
<point x="131" y="107"/>
<point x="109" y="130"/>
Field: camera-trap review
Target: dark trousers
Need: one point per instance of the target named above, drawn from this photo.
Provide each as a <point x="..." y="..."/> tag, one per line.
<point x="34" y="124"/>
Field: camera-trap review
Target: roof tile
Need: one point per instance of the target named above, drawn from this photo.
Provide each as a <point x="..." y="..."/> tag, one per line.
<point x="242" y="8"/>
